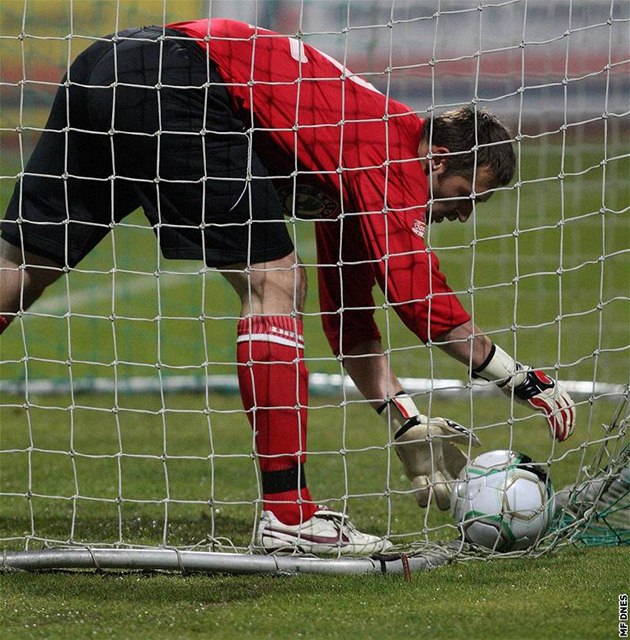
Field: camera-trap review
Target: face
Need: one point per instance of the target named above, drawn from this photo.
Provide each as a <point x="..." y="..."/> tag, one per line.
<point x="451" y="193"/>
<point x="451" y="196"/>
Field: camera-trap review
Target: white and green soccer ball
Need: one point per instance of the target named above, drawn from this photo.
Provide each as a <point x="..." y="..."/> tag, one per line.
<point x="503" y="501"/>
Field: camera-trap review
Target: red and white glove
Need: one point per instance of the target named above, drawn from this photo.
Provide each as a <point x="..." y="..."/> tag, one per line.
<point x="531" y="387"/>
<point x="426" y="449"/>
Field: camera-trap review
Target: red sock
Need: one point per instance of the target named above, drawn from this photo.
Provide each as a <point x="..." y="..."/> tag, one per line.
<point x="4" y="323"/>
<point x="273" y="381"/>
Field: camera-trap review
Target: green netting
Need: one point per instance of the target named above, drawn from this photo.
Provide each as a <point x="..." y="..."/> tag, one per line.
<point x="596" y="511"/>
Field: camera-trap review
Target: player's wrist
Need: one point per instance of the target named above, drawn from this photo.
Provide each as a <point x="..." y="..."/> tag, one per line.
<point x="501" y="368"/>
<point x="399" y="412"/>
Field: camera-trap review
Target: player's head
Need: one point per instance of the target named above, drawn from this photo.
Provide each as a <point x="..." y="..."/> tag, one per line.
<point x="461" y="145"/>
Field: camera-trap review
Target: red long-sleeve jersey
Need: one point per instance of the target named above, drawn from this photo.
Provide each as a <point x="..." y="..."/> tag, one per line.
<point x="349" y="154"/>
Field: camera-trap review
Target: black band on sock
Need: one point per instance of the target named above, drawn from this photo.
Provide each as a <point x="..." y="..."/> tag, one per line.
<point x="284" y="480"/>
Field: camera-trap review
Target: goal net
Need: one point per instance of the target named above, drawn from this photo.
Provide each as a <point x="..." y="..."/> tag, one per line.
<point x="122" y="431"/>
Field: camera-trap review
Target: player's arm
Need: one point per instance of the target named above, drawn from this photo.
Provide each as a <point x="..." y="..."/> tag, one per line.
<point x="529" y="386"/>
<point x="419" y="293"/>
<point x="425" y="446"/>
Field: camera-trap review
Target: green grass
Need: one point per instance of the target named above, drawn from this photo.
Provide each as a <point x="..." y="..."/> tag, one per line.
<point x="573" y="595"/>
<point x="146" y="472"/>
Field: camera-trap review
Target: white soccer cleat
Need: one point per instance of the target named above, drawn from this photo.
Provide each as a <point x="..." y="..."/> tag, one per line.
<point x="325" y="533"/>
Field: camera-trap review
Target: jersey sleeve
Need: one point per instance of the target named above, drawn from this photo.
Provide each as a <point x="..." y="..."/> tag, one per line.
<point x="345" y="282"/>
<point x="406" y="269"/>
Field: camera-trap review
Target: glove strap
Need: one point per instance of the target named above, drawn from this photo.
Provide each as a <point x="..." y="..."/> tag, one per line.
<point x="535" y="383"/>
<point x="400" y="413"/>
<point x="499" y="367"/>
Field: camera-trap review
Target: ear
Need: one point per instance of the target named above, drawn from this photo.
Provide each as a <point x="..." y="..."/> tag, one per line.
<point x="438" y="161"/>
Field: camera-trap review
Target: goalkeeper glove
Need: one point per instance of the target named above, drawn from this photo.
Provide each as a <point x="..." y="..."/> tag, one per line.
<point x="531" y="387"/>
<point x="425" y="447"/>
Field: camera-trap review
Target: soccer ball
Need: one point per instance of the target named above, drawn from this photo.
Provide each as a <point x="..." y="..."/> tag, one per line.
<point x="503" y="501"/>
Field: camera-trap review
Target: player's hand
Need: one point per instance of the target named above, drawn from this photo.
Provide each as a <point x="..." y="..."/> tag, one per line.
<point x="533" y="387"/>
<point x="430" y="458"/>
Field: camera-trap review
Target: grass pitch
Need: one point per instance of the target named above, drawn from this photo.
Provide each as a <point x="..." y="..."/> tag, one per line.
<point x="572" y="595"/>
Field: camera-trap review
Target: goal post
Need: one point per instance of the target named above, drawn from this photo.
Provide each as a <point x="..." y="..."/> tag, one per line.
<point x="123" y="442"/>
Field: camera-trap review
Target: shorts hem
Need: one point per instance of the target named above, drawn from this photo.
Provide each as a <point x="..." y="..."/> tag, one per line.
<point x="224" y="259"/>
<point x="42" y="246"/>
<point x="37" y="245"/>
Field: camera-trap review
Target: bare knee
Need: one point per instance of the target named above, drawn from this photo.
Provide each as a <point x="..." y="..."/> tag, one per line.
<point x="276" y="287"/>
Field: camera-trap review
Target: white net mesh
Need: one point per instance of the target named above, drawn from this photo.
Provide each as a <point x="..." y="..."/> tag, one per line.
<point x="120" y="423"/>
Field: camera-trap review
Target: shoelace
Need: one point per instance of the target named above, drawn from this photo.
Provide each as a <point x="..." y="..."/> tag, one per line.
<point x="340" y="519"/>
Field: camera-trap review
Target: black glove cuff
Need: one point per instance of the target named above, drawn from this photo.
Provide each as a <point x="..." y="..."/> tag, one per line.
<point x="476" y="373"/>
<point x="412" y="422"/>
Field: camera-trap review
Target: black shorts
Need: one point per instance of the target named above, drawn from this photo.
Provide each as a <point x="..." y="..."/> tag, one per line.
<point x="114" y="142"/>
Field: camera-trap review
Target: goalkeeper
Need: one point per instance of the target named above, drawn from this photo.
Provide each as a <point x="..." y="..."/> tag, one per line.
<point x="217" y="129"/>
